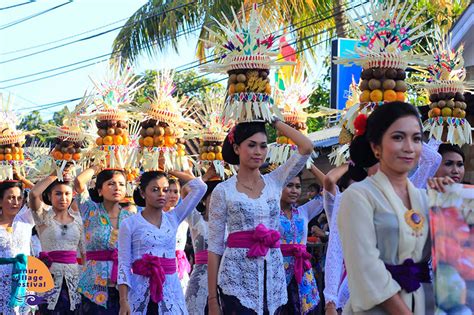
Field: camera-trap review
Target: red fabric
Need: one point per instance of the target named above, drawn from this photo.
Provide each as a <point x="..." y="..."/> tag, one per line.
<point x="302" y="258"/>
<point x="155" y="268"/>
<point x="258" y="241"/>
<point x="201" y="257"/>
<point x="106" y="255"/>
<point x="59" y="256"/>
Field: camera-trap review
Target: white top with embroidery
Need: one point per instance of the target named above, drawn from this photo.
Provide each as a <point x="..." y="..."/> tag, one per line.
<point x="238" y="275"/>
<point x="55" y="236"/>
<point x="197" y="292"/>
<point x="14" y="241"/>
<point x="137" y="237"/>
<point x="334" y="290"/>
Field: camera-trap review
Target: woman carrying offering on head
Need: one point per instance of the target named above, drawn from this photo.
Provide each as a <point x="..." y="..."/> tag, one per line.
<point x="248" y="271"/>
<point x="60" y="232"/>
<point x="303" y="295"/>
<point x="383" y="219"/>
<point x="148" y="278"/>
<point x="102" y="217"/>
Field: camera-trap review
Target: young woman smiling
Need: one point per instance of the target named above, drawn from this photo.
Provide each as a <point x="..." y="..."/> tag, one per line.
<point x="383" y="219"/>
<point x="61" y="234"/>
<point x="102" y="217"/>
<point x="248" y="270"/>
<point x="148" y="279"/>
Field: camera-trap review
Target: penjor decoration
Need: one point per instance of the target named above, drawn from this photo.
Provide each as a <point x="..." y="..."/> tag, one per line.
<point x="446" y="87"/>
<point x="386" y="38"/>
<point x="246" y="51"/>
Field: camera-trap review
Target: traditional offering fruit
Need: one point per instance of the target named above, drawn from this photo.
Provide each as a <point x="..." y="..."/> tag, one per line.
<point x="11" y="152"/>
<point x="160" y="134"/>
<point x="249" y="81"/>
<point x="300" y="126"/>
<point x="210" y="150"/>
<point x="112" y="132"/>
<point x="382" y="84"/>
<point x="447" y="105"/>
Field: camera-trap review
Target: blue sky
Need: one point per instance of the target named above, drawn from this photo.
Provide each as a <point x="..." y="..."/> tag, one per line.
<point x="74" y="18"/>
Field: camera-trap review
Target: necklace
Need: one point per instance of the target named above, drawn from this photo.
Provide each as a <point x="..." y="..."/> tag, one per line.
<point x="245" y="186"/>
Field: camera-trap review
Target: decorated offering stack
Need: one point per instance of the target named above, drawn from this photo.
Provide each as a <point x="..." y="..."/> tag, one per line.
<point x="114" y="93"/>
<point x="212" y="131"/>
<point x="383" y="52"/>
<point x="247" y="56"/>
<point x="162" y="131"/>
<point x="11" y="142"/>
<point x="292" y="100"/>
<point x="70" y="139"/>
<point x="446" y="89"/>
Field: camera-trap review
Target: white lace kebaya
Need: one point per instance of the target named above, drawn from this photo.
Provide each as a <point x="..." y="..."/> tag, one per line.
<point x="137" y="237"/>
<point x="230" y="209"/>
<point x="55" y="236"/>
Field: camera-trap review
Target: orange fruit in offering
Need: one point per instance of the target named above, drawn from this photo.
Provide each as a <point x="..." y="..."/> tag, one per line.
<point x="125" y="139"/>
<point x="16" y="157"/>
<point x="219" y="156"/>
<point x="376" y="95"/>
<point x="108" y="140"/>
<point x="76" y="156"/>
<point x="57" y="155"/>
<point x="364" y="96"/>
<point x="22" y="157"/>
<point x="158" y="141"/>
<point x="170" y="141"/>
<point x="204" y="156"/>
<point x="389" y="95"/>
<point x="231" y="88"/>
<point x="21" y="151"/>
<point x="401" y="96"/>
<point x="8" y="157"/>
<point x="118" y="140"/>
<point x="211" y="156"/>
<point x="98" y="141"/>
<point x="291" y="142"/>
<point x="446" y="112"/>
<point x="436" y="112"/>
<point x="148" y="141"/>
<point x="2" y="157"/>
<point x="67" y="156"/>
<point x="268" y="89"/>
<point x="140" y="141"/>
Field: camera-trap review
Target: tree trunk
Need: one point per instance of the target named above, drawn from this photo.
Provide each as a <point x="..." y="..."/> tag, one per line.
<point x="339" y="18"/>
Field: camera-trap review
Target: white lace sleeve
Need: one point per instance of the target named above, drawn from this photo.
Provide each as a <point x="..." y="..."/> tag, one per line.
<point x="197" y="190"/>
<point x="334" y="264"/>
<point x="217" y="220"/>
<point x="284" y="173"/>
<point x="193" y="218"/>
<point x="25" y="215"/>
<point x="125" y="253"/>
<point x="429" y="163"/>
<point x="328" y="202"/>
<point x="312" y="208"/>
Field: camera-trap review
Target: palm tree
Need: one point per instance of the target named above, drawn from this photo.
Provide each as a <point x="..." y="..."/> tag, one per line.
<point x="159" y="24"/>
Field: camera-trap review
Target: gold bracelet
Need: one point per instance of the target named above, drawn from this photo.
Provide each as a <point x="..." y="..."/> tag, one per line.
<point x="211" y="297"/>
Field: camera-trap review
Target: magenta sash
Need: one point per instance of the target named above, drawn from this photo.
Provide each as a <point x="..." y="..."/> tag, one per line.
<point x="258" y="241"/>
<point x="200" y="257"/>
<point x="106" y="255"/>
<point x="155" y="268"/>
<point x="58" y="256"/>
<point x="183" y="263"/>
<point x="302" y="258"/>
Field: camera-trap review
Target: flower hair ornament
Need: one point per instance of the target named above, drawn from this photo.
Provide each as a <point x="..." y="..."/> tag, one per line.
<point x="360" y="125"/>
<point x="231" y="135"/>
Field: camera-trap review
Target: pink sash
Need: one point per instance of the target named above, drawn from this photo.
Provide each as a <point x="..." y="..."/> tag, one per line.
<point x="155" y="268"/>
<point x="200" y="258"/>
<point x="302" y="258"/>
<point x="106" y="255"/>
<point x="258" y="241"/>
<point x="59" y="256"/>
<point x="183" y="263"/>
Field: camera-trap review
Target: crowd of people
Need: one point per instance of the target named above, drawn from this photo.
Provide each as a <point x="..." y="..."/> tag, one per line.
<point x="249" y="233"/>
